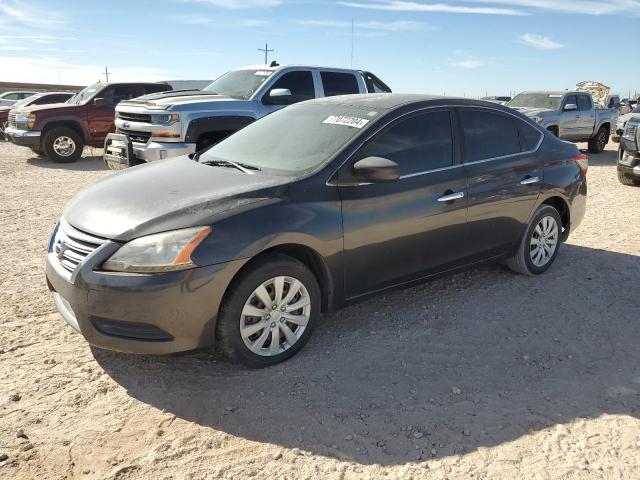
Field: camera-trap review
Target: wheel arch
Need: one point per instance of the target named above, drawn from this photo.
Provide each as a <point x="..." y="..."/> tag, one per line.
<point x="71" y="123"/>
<point x="207" y="131"/>
<point x="561" y="205"/>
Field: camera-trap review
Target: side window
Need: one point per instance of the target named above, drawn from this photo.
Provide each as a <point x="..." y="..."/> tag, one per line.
<point x="613" y="101"/>
<point x="489" y="135"/>
<point x="44" y="100"/>
<point x="335" y="83"/>
<point x="11" y="96"/>
<point x="374" y="84"/>
<point x="299" y="83"/>
<point x="584" y="103"/>
<point x="118" y="93"/>
<point x="530" y="135"/>
<point x="418" y="144"/>
<point x="570" y="99"/>
<point x="147" y="89"/>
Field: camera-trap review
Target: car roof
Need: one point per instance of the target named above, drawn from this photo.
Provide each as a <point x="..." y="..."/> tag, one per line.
<point x="556" y="92"/>
<point x="392" y="101"/>
<point x="269" y="68"/>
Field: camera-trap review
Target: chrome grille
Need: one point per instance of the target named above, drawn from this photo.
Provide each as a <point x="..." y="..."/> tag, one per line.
<point x="71" y="246"/>
<point x="12" y="120"/>
<point x="134" y="117"/>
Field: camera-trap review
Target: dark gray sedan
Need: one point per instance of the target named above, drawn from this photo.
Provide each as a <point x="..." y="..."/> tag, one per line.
<point x="320" y="204"/>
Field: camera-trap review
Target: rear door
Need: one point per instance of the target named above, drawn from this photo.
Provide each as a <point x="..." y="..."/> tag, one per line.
<point x="340" y="83"/>
<point x="504" y="178"/>
<point x="395" y="232"/>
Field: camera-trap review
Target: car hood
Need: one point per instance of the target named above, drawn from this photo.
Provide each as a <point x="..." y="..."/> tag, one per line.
<point x="167" y="195"/>
<point x="532" y="112"/>
<point x="626" y="117"/>
<point x="66" y="107"/>
<point x="167" y="99"/>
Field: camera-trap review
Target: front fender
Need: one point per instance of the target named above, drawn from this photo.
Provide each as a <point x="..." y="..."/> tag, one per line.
<point x="215" y="123"/>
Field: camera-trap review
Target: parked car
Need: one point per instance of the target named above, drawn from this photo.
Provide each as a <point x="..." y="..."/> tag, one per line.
<point x="167" y="125"/>
<point x="498" y="100"/>
<point x="629" y="153"/>
<point x="35" y="99"/>
<point x="622" y="122"/>
<point x="312" y="207"/>
<point x="61" y="131"/>
<point x="570" y="116"/>
<point x="9" y="98"/>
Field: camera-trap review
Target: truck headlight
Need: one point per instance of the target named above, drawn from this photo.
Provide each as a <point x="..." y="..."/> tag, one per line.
<point x="160" y="252"/>
<point x="164" y="118"/>
<point x="27" y="122"/>
<point x="630" y="130"/>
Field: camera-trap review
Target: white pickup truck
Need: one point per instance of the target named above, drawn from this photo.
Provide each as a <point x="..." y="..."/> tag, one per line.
<point x="159" y="126"/>
<point x="570" y="115"/>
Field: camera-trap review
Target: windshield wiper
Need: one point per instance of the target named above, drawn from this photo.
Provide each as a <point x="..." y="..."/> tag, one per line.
<point x="226" y="163"/>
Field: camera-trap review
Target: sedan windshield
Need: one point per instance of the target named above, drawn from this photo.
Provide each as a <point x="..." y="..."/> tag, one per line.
<point x="239" y="83"/>
<point x="24" y="101"/>
<point x="84" y="95"/>
<point x="293" y="140"/>
<point x="547" y="101"/>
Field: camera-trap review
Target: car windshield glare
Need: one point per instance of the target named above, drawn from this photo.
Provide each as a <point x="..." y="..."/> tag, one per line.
<point x="24" y="101"/>
<point x="547" y="101"/>
<point x="239" y="83"/>
<point x="83" y="95"/>
<point x="293" y="140"/>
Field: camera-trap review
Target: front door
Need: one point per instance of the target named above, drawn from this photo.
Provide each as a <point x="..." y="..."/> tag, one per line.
<point x="504" y="178"/>
<point x="100" y="118"/>
<point x="587" y="119"/>
<point x="568" y="119"/>
<point x="299" y="82"/>
<point x="395" y="232"/>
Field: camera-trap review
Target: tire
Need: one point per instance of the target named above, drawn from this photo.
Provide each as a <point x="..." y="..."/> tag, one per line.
<point x="242" y="296"/>
<point x="522" y="261"/>
<point x="599" y="141"/>
<point x="56" y="139"/>
<point x="624" y="180"/>
<point x="36" y="151"/>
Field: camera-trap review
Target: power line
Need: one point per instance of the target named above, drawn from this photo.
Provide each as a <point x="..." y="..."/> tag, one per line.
<point x="266" y="51"/>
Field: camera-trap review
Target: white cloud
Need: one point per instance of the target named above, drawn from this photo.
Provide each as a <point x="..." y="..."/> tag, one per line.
<point x="469" y="64"/>
<point x="410" y="6"/>
<point x="393" y="26"/>
<point x="540" y="41"/>
<point x="238" y="4"/>
<point x="17" y="13"/>
<point x="213" y="22"/>
<point x="586" y="7"/>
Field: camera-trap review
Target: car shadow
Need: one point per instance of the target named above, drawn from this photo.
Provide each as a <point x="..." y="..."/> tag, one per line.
<point x="606" y="158"/>
<point x="91" y="161"/>
<point x="468" y="361"/>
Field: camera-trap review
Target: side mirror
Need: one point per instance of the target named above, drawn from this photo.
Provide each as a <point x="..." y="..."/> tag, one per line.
<point x="376" y="170"/>
<point x="279" y="96"/>
<point x="99" y="102"/>
<point x="570" y="107"/>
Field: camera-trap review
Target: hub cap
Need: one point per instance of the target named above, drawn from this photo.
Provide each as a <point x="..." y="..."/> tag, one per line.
<point x="544" y="241"/>
<point x="64" y="146"/>
<point x="275" y="316"/>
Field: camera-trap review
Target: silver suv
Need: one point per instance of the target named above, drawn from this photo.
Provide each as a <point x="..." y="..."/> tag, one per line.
<point x="169" y="124"/>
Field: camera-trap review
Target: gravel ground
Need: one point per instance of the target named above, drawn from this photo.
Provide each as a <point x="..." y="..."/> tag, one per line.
<point x="485" y="374"/>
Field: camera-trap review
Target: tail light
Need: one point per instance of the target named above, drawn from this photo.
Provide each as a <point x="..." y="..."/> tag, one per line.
<point x="583" y="162"/>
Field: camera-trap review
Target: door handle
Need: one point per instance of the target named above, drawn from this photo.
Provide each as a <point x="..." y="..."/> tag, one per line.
<point x="451" y="196"/>
<point x="530" y="180"/>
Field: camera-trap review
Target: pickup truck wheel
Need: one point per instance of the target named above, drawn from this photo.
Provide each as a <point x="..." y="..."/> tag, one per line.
<point x="63" y="145"/>
<point x="597" y="143"/>
<point x="624" y="180"/>
<point x="37" y="151"/>
<point x="269" y="312"/>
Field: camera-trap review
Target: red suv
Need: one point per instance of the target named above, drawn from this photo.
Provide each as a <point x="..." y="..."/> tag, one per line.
<point x="61" y="131"/>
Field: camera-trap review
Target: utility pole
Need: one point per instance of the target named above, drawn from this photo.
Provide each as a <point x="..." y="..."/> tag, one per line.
<point x="106" y="73"/>
<point x="352" y="35"/>
<point x="266" y="51"/>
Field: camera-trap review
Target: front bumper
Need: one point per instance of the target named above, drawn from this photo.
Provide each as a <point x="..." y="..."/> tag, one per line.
<point x="25" y="138"/>
<point x="121" y="152"/>
<point x="134" y="313"/>
<point x="152" y="151"/>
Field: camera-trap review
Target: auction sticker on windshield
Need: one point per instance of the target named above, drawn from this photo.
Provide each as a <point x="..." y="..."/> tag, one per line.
<point x="346" y="120"/>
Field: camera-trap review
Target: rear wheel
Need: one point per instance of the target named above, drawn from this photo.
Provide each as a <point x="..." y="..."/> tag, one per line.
<point x="540" y="243"/>
<point x="63" y="145"/>
<point x="599" y="141"/>
<point x="269" y="312"/>
<point x="624" y="180"/>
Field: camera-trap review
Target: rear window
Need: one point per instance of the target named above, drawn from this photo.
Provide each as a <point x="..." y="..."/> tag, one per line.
<point x="335" y="83"/>
<point x="531" y="136"/>
<point x="489" y="135"/>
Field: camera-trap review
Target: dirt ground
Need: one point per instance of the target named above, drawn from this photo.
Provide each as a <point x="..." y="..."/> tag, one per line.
<point x="482" y="375"/>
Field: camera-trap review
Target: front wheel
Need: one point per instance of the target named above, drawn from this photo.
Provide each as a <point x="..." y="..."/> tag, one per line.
<point x="269" y="312"/>
<point x="599" y="141"/>
<point x="63" y="145"/>
<point x="540" y="243"/>
<point x="624" y="180"/>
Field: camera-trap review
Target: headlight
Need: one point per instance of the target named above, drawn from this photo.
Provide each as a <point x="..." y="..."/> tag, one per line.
<point x="630" y="130"/>
<point x="164" y="118"/>
<point x="26" y="122"/>
<point x="161" y="252"/>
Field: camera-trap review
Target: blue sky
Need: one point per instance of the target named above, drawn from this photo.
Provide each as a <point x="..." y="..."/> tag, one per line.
<point x="457" y="47"/>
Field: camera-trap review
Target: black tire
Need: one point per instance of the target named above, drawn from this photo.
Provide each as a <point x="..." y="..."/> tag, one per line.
<point x="54" y="134"/>
<point x="228" y="337"/>
<point x="599" y="141"/>
<point x="521" y="262"/>
<point x="624" y="180"/>
<point x="36" y="151"/>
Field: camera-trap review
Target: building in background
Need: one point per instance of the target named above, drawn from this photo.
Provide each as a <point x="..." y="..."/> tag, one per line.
<point x="38" y="87"/>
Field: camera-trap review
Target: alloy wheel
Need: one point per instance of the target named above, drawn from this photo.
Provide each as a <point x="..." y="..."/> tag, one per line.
<point x="544" y="241"/>
<point x="275" y="316"/>
<point x="64" y="146"/>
